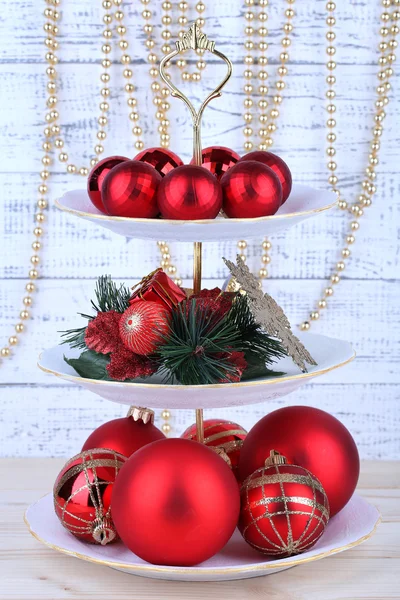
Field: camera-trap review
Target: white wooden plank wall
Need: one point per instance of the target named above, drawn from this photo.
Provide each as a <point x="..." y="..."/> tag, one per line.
<point x="43" y="417"/>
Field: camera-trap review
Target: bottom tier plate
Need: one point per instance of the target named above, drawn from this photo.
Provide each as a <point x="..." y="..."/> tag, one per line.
<point x="352" y="526"/>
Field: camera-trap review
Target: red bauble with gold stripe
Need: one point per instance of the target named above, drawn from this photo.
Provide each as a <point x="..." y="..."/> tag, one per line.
<point x="223" y="434"/>
<point x="143" y="326"/>
<point x="284" y="508"/>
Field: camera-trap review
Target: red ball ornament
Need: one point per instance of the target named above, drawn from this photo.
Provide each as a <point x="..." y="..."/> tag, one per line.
<point x="279" y="167"/>
<point x="189" y="192"/>
<point x="251" y="190"/>
<point x="143" y="326"/>
<point x="129" y="190"/>
<point x="284" y="508"/>
<point x="161" y="159"/>
<point x="311" y="438"/>
<point x="96" y="178"/>
<point x="126" y="435"/>
<point x="219" y="433"/>
<point x="82" y="495"/>
<point x="218" y="159"/>
<point x="175" y="502"/>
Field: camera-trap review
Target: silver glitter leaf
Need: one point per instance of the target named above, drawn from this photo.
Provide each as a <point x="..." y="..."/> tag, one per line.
<point x="269" y="314"/>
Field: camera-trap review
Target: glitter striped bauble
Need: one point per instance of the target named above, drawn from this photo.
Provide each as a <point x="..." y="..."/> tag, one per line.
<point x="82" y="495"/>
<point x="143" y="326"/>
<point x="219" y="433"/>
<point x="284" y="508"/>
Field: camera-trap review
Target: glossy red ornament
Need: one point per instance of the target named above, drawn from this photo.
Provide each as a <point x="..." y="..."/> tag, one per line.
<point x="126" y="435"/>
<point x="96" y="178"/>
<point x="250" y="190"/>
<point x="129" y="190"/>
<point x="82" y="495"/>
<point x="218" y="159"/>
<point x="176" y="502"/>
<point x="219" y="433"/>
<point x="161" y="159"/>
<point x="284" y="508"/>
<point x="189" y="192"/>
<point x="143" y="326"/>
<point x="311" y="438"/>
<point x="278" y="165"/>
<point x="158" y="287"/>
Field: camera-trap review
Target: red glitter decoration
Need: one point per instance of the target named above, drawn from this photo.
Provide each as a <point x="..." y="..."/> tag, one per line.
<point x="217" y="301"/>
<point x="125" y="364"/>
<point x="161" y="159"/>
<point x="251" y="190"/>
<point x="237" y="360"/>
<point x="188" y="193"/>
<point x="96" y="178"/>
<point x="129" y="190"/>
<point x="102" y="332"/>
<point x="279" y="167"/>
<point x="218" y="159"/>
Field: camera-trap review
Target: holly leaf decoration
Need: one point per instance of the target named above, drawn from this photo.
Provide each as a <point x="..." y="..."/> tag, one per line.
<point x="90" y="365"/>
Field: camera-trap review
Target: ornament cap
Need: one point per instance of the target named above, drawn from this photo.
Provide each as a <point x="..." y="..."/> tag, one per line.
<point x="103" y="531"/>
<point x="139" y="413"/>
<point x="275" y="458"/>
<point x="222" y="453"/>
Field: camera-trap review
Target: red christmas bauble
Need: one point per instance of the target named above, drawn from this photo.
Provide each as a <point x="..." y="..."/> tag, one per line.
<point x="143" y="326"/>
<point x="82" y="495"/>
<point x="96" y="178"/>
<point x="218" y="159"/>
<point x="311" y="438"/>
<point x="284" y="508"/>
<point x="126" y="435"/>
<point x="219" y="433"/>
<point x="129" y="190"/>
<point x="250" y="190"/>
<point x="189" y="192"/>
<point x="278" y="165"/>
<point x="161" y="159"/>
<point x="176" y="502"/>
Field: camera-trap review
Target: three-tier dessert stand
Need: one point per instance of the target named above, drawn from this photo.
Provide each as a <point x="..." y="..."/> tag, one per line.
<point x="354" y="524"/>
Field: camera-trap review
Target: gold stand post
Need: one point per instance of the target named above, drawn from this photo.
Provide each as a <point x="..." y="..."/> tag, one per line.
<point x="195" y="39"/>
<point x="197" y="250"/>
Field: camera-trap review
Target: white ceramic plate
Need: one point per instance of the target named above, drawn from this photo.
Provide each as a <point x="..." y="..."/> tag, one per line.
<point x="352" y="526"/>
<point x="303" y="202"/>
<point x="329" y="353"/>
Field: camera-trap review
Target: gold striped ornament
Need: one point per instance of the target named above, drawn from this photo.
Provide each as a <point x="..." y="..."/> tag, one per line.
<point x="222" y="435"/>
<point x="284" y="508"/>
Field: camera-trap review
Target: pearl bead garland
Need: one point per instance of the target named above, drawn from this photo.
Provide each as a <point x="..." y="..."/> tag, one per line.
<point x="386" y="47"/>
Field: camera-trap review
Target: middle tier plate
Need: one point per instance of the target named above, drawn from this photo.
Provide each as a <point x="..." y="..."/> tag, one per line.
<point x="329" y="353"/>
<point x="303" y="203"/>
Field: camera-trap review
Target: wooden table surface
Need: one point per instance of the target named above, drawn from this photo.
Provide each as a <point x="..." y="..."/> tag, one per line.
<point x="30" y="571"/>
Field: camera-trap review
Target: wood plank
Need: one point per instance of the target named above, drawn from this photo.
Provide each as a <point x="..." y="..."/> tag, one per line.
<point x="61" y="418"/>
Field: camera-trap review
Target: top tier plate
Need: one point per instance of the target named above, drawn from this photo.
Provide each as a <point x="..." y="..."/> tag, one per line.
<point x="303" y="202"/>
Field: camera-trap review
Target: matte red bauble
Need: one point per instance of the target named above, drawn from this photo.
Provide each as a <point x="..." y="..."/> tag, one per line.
<point x="129" y="190"/>
<point x="143" y="326"/>
<point x="175" y="503"/>
<point x="96" y="178"/>
<point x="218" y="159"/>
<point x="219" y="433"/>
<point x="82" y="495"/>
<point x="311" y="438"/>
<point x="189" y="192"/>
<point x="284" y="508"/>
<point x="251" y="190"/>
<point x="278" y="165"/>
<point x="161" y="159"/>
<point x="126" y="435"/>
